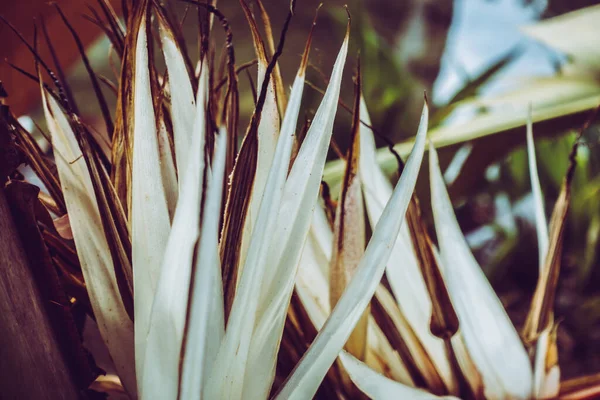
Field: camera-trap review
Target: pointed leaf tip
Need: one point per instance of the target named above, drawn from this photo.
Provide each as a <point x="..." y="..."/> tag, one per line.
<point x="313" y="366"/>
<point x="304" y="62"/>
<point x="536" y="189"/>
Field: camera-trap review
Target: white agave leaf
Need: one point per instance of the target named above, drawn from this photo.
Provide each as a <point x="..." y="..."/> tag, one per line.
<point x="465" y="363"/>
<point x="300" y="196"/>
<point x="546" y="373"/>
<point x="461" y="353"/>
<point x="546" y="380"/>
<point x="268" y="128"/>
<point x="302" y="189"/>
<point x="378" y="387"/>
<point x="234" y="360"/>
<point x="313" y="291"/>
<point x="463" y="358"/>
<point x="490" y="337"/>
<point x="183" y="108"/>
<point x="167" y="167"/>
<point x="541" y="223"/>
<point x="323" y="234"/>
<point x="313" y="366"/>
<point x="382" y="355"/>
<point x="167" y="320"/>
<point x="412" y="342"/>
<point x="377" y="187"/>
<point x="93" y="252"/>
<point x="267" y="333"/>
<point x="150" y="223"/>
<point x="311" y="281"/>
<point x="268" y="133"/>
<point x="403" y="271"/>
<point x="206" y="320"/>
<point x="216" y="322"/>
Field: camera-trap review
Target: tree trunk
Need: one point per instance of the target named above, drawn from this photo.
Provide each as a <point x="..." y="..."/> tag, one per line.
<point x="31" y="363"/>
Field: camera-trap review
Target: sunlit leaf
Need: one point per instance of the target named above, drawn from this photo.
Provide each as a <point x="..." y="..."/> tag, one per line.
<point x="378" y="387"/>
<point x="150" y="223"/>
<point x="540" y="212"/>
<point x="313" y="290"/>
<point x="546" y="371"/>
<point x="268" y="133"/>
<point x="167" y="167"/>
<point x="278" y="237"/>
<point x="349" y="238"/>
<point x="402" y="337"/>
<point x="403" y="271"/>
<point x="170" y="301"/>
<point x="205" y="322"/>
<point x="93" y="252"/>
<point x="183" y="109"/>
<point x="490" y="337"/>
<point x="316" y="361"/>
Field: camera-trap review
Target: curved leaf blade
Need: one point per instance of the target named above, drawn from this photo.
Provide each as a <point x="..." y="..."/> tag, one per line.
<point x="313" y="366"/>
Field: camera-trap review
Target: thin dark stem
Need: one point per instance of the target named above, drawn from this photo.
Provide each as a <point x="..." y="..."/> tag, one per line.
<point x="93" y="78"/>
<point x="59" y="70"/>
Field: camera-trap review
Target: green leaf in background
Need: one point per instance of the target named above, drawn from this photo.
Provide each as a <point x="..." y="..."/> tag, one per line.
<point x="560" y="102"/>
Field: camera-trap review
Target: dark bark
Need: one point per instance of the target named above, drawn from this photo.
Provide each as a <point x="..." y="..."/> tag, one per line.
<point x="31" y="363"/>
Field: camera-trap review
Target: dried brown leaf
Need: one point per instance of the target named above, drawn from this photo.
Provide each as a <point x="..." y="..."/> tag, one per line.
<point x="350" y="233"/>
<point x="403" y="338"/>
<point x="444" y="322"/>
<point x="541" y="312"/>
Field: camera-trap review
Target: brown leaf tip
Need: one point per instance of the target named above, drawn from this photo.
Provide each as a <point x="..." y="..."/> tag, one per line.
<point x="349" y="18"/>
<point x="3" y="93"/>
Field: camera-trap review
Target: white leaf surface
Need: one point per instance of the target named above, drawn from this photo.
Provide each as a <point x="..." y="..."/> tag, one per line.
<point x="313" y="366"/>
<point x="300" y="196"/>
<point x="167" y="167"/>
<point x="93" y="252"/>
<point x="313" y="291"/>
<point x="268" y="134"/>
<point x="235" y="362"/>
<point x="183" y="108"/>
<point x="167" y="320"/>
<point x="403" y="271"/>
<point x="313" y="271"/>
<point x="150" y="223"/>
<point x="206" y="320"/>
<point x="378" y="387"/>
<point x="491" y="339"/>
<point x="546" y="382"/>
<point x="546" y="379"/>
<point x="541" y="223"/>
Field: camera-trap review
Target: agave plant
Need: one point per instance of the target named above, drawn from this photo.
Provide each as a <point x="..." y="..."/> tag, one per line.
<point x="218" y="272"/>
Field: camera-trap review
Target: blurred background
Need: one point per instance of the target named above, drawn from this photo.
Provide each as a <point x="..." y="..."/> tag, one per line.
<point x="482" y="62"/>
